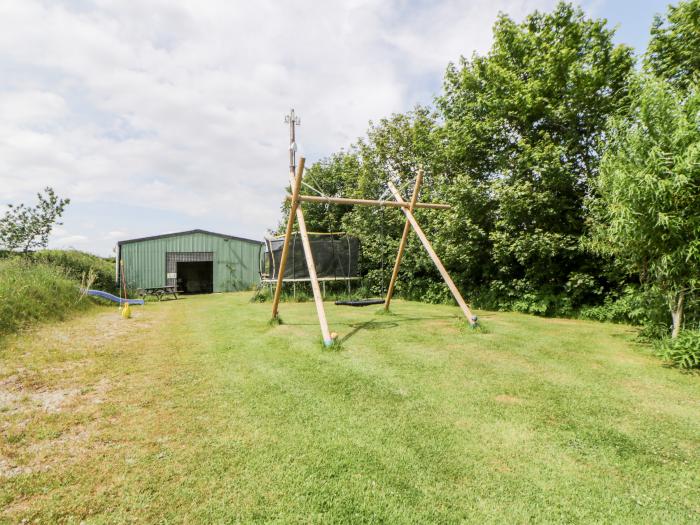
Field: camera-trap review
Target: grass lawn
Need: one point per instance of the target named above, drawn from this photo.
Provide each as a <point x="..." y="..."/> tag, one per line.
<point x="199" y="411"/>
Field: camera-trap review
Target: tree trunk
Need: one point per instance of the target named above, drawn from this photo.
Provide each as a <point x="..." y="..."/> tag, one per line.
<point x="677" y="313"/>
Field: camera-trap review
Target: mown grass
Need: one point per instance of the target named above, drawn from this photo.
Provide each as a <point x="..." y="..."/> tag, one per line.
<point x="199" y="411"/>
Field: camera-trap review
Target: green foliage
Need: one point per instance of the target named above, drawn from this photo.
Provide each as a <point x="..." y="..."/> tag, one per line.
<point x="646" y="212"/>
<point x="524" y="122"/>
<point x="261" y="295"/>
<point x="393" y="150"/>
<point x="275" y="321"/>
<point x="683" y="351"/>
<point x="512" y="149"/>
<point x="44" y="285"/>
<point x="32" y="292"/>
<point x="515" y="147"/>
<point x="25" y="228"/>
<point x="332" y="177"/>
<point x="76" y="264"/>
<point x="673" y="48"/>
<point x="634" y="305"/>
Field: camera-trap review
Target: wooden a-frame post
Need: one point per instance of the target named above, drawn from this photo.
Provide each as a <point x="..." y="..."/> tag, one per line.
<point x="436" y="260"/>
<point x="295" y="212"/>
<point x="311" y="266"/>
<point x="402" y="244"/>
<point x="296" y="186"/>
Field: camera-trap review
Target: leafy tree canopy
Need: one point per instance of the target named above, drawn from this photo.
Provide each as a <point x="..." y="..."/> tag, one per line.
<point x="674" y="48"/>
<point x="526" y="120"/>
<point x="24" y="228"/>
<point x="647" y="210"/>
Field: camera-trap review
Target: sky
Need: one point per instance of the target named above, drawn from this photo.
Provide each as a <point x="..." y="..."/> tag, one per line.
<point x="168" y="115"/>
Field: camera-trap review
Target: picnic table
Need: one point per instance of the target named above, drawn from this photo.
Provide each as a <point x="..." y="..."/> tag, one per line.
<point x="159" y="291"/>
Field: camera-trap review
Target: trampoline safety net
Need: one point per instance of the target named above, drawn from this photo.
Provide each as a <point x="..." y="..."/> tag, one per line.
<point x="335" y="257"/>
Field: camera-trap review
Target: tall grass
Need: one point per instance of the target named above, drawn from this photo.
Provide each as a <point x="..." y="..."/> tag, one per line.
<point x="76" y="264"/>
<point x="33" y="291"/>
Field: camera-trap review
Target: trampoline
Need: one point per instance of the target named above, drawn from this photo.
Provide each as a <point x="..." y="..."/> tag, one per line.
<point x="335" y="258"/>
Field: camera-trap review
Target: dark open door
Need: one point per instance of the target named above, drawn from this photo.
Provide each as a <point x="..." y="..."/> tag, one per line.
<point x="192" y="272"/>
<point x="195" y="277"/>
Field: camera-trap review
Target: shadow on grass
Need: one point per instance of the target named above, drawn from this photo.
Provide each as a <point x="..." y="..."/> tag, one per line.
<point x="392" y="321"/>
<point x="372" y="324"/>
<point x="396" y="319"/>
<point x="685" y="371"/>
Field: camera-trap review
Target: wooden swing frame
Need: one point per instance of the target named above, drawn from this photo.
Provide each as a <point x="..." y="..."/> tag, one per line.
<point x="407" y="207"/>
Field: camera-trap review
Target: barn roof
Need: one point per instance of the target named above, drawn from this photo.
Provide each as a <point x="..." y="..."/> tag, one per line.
<point x="188" y="232"/>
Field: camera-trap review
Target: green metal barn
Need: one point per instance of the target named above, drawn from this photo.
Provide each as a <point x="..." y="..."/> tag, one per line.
<point x="196" y="261"/>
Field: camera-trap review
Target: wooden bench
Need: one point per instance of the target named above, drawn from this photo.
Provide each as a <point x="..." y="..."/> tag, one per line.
<point x="159" y="291"/>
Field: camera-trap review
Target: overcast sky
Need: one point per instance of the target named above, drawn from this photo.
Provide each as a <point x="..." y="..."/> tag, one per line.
<point x="164" y="115"/>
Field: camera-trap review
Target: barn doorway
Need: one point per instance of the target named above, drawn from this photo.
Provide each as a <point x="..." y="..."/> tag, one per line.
<point x="191" y="272"/>
<point x="195" y="277"/>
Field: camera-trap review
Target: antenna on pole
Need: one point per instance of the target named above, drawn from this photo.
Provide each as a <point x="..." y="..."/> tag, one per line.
<point x="293" y="121"/>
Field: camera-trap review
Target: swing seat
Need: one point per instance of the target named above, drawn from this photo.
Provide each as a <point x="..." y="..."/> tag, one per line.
<point x="360" y="302"/>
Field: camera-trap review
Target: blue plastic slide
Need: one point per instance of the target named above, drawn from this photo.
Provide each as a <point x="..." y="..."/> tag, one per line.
<point x="109" y="296"/>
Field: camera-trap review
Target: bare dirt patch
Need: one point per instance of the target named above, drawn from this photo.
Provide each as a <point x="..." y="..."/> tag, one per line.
<point x="96" y="393"/>
<point x="509" y="400"/>
<point x="16" y="396"/>
<point x="8" y="469"/>
<point x="82" y="334"/>
<point x="50" y="386"/>
<point x="42" y="456"/>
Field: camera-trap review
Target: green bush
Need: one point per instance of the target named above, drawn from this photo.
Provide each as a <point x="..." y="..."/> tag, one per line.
<point x="32" y="292"/>
<point x="261" y="295"/>
<point x="76" y="264"/>
<point x="683" y="351"/>
<point x="642" y="307"/>
<point x="629" y="306"/>
<point x="520" y="296"/>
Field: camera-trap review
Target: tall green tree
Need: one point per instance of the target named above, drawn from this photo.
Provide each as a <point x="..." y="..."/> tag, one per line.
<point x="393" y="149"/>
<point x="524" y="122"/>
<point x="24" y="228"/>
<point x="674" y="48"/>
<point x="334" y="176"/>
<point x="647" y="210"/>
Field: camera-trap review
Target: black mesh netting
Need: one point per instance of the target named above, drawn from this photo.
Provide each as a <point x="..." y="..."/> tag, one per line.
<point x="335" y="255"/>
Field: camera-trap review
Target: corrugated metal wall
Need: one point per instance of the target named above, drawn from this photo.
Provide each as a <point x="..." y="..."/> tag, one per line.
<point x="235" y="261"/>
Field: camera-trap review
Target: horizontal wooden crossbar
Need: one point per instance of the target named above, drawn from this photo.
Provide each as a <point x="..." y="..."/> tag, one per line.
<point x="370" y="202"/>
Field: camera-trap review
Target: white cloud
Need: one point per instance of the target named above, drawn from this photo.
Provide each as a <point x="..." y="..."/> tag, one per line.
<point x="31" y="107"/>
<point x="70" y="241"/>
<point x="178" y="106"/>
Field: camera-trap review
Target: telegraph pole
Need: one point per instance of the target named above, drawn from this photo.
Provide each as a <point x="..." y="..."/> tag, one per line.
<point x="293" y="121"/>
<point x="295" y="210"/>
